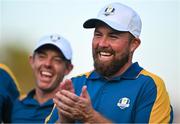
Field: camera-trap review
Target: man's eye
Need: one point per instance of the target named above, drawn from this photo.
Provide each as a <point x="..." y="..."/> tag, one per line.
<point x="41" y="56"/>
<point x="114" y="36"/>
<point x="97" y="35"/>
<point x="58" y="59"/>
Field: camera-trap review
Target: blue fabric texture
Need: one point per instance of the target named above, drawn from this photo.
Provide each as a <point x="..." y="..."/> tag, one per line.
<point x="8" y="93"/>
<point x="28" y="110"/>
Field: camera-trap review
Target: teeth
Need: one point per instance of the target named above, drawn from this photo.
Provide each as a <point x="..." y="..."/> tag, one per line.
<point x="105" y="54"/>
<point x="45" y="73"/>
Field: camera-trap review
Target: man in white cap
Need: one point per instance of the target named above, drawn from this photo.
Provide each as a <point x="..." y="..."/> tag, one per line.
<point x="50" y="62"/>
<point x="117" y="90"/>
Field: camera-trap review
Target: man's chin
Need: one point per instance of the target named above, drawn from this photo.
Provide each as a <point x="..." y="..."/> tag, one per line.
<point x="104" y="62"/>
<point x="101" y="67"/>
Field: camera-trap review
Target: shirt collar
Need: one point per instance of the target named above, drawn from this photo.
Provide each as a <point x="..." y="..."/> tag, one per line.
<point x="131" y="73"/>
<point x="29" y="99"/>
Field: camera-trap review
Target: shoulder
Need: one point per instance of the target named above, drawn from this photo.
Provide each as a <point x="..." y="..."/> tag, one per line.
<point x="27" y="96"/>
<point x="158" y="81"/>
<point x="155" y="84"/>
<point x="8" y="74"/>
<point x="20" y="101"/>
<point x="6" y="71"/>
<point x="82" y="76"/>
<point x="86" y="75"/>
<point x="22" y="97"/>
<point x="8" y="81"/>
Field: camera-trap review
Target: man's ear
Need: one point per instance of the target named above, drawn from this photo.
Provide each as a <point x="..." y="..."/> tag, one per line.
<point x="134" y="44"/>
<point x="68" y="69"/>
<point x="31" y="60"/>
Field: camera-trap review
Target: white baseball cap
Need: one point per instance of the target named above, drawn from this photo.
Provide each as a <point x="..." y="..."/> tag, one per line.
<point x="58" y="41"/>
<point x="119" y="17"/>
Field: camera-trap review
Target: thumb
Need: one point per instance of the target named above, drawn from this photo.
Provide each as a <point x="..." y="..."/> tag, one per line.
<point x="62" y="85"/>
<point x="69" y="85"/>
<point x="66" y="85"/>
<point x="84" y="92"/>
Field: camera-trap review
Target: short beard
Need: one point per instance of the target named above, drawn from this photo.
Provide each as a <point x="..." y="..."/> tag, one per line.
<point x="111" y="68"/>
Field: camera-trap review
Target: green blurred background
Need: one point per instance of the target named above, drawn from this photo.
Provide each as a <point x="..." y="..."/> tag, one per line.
<point x="16" y="58"/>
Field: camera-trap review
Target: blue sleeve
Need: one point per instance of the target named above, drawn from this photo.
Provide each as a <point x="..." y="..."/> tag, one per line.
<point x="145" y="102"/>
<point x="8" y="93"/>
<point x="153" y="101"/>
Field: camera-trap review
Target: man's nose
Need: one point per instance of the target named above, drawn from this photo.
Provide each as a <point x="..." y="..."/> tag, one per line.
<point x="48" y="62"/>
<point x="103" y="42"/>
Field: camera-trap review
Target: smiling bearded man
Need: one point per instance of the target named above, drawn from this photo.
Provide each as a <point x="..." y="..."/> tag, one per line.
<point x="117" y="90"/>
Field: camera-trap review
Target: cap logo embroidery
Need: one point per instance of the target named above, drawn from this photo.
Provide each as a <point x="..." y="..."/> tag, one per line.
<point x="55" y="38"/>
<point x="109" y="11"/>
<point x="123" y="103"/>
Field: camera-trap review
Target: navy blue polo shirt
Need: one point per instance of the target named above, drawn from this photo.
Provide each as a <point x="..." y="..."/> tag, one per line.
<point x="136" y="96"/>
<point x="28" y="110"/>
<point x="8" y="93"/>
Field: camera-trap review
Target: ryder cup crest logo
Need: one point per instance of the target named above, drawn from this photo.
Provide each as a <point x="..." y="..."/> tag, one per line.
<point x="109" y="11"/>
<point x="54" y="38"/>
<point x="123" y="103"/>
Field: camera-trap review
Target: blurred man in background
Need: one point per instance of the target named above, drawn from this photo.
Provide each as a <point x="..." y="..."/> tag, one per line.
<point x="50" y="62"/>
<point x="9" y="91"/>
